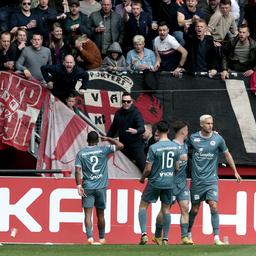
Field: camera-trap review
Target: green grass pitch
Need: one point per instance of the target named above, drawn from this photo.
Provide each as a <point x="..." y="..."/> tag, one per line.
<point x="126" y="250"/>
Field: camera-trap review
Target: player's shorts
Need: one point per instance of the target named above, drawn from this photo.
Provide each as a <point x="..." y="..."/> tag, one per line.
<point x="94" y="197"/>
<point x="204" y="192"/>
<point x="151" y="195"/>
<point x="181" y="192"/>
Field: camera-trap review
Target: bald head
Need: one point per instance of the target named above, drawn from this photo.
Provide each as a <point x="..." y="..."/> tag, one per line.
<point x="69" y="63"/>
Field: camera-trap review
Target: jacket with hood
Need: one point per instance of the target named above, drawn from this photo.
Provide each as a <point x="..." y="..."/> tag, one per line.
<point x="119" y="63"/>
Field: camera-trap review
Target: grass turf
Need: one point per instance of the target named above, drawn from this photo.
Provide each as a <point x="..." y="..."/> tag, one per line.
<point x="126" y="250"/>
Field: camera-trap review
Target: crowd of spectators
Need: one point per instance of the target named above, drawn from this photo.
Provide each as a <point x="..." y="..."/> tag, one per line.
<point x="119" y="35"/>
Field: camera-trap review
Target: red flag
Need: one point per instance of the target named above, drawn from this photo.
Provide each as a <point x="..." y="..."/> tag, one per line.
<point x="64" y="133"/>
<point x="20" y="104"/>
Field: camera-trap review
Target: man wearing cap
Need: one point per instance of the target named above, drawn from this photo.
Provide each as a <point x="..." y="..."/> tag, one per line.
<point x="76" y="23"/>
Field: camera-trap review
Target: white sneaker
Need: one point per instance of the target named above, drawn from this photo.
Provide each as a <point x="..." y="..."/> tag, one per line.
<point x="102" y="241"/>
<point x="90" y="240"/>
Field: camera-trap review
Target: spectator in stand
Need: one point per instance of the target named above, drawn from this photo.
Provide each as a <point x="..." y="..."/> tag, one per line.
<point x="19" y="42"/>
<point x="239" y="54"/>
<point x="76" y="23"/>
<point x="33" y="58"/>
<point x="187" y="16"/>
<point x="201" y="51"/>
<point x="137" y="22"/>
<point x="124" y="8"/>
<point x="89" y="56"/>
<point x="210" y="8"/>
<point x="24" y="18"/>
<point x="107" y="27"/>
<point x="7" y="8"/>
<point x="7" y="52"/>
<point x="222" y="22"/>
<point x="115" y="61"/>
<point x="250" y="17"/>
<point x="71" y="102"/>
<point x="61" y="79"/>
<point x="60" y="5"/>
<point x="46" y="16"/>
<point x="141" y="58"/>
<point x="168" y="13"/>
<point x="128" y="125"/>
<point x="57" y="44"/>
<point x="147" y="5"/>
<point x="89" y="6"/>
<point x="171" y="56"/>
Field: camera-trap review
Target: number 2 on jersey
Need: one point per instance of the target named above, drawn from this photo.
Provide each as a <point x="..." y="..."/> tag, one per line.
<point x="94" y="160"/>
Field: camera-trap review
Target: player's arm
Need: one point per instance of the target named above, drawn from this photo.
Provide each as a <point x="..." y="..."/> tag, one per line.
<point x="146" y="172"/>
<point x="177" y="166"/>
<point x="78" y="181"/>
<point x="119" y="145"/>
<point x="231" y="163"/>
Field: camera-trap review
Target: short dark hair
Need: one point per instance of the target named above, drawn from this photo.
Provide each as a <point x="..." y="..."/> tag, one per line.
<point x="178" y="125"/>
<point x="92" y="137"/>
<point x="162" y="126"/>
<point x="244" y="26"/>
<point x="135" y="2"/>
<point x="126" y="94"/>
<point x="72" y="94"/>
<point x="225" y="2"/>
<point x="162" y="23"/>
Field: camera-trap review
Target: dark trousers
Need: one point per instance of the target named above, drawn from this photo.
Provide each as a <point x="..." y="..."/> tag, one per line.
<point x="136" y="155"/>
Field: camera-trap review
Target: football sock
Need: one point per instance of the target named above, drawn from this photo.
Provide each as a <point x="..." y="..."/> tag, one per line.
<point x="89" y="232"/>
<point x="215" y="222"/>
<point x="143" y="220"/>
<point x="102" y="233"/>
<point x="159" y="228"/>
<point x="191" y="220"/>
<point x="184" y="229"/>
<point x="166" y="224"/>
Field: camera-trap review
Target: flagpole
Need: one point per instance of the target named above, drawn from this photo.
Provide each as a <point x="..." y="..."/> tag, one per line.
<point x="89" y="121"/>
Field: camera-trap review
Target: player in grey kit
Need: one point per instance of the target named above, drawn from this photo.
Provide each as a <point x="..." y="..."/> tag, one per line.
<point x="92" y="161"/>
<point x="180" y="189"/>
<point x="162" y="161"/>
<point x="206" y="146"/>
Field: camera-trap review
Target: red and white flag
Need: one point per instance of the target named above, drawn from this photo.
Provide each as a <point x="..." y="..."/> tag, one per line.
<point x="20" y="104"/>
<point x="64" y="133"/>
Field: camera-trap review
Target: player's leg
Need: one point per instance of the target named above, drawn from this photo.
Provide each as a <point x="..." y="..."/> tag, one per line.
<point x="166" y="221"/>
<point x="159" y="227"/>
<point x="149" y="195"/>
<point x="143" y="221"/>
<point x="184" y="218"/>
<point x="101" y="225"/>
<point x="192" y="215"/>
<point x="100" y="204"/>
<point x="88" y="224"/>
<point x="88" y="204"/>
<point x="215" y="221"/>
<point x="212" y="200"/>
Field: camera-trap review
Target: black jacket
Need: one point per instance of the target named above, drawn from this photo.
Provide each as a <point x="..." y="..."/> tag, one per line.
<point x="229" y="52"/>
<point x="64" y="83"/>
<point x="192" y="43"/>
<point x="125" y="119"/>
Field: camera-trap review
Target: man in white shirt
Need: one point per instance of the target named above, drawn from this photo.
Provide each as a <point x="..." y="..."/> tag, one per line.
<point x="171" y="56"/>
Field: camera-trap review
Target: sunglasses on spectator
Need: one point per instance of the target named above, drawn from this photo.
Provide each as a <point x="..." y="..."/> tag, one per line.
<point x="126" y="101"/>
<point x="26" y="3"/>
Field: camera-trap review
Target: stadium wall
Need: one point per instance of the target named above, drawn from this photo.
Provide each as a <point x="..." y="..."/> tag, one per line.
<point x="48" y="210"/>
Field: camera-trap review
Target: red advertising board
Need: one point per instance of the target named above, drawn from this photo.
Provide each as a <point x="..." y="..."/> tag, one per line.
<point x="43" y="210"/>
